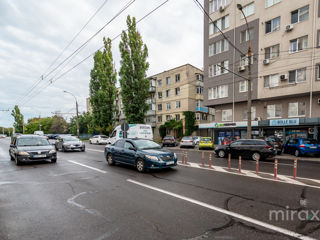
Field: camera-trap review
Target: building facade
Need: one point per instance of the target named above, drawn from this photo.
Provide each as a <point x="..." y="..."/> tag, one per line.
<point x="284" y="36"/>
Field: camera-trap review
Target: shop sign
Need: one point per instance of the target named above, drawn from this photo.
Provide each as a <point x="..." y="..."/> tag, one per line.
<point x="226" y="124"/>
<point x="285" y="122"/>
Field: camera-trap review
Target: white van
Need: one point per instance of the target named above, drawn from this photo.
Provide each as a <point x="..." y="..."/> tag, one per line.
<point x="141" y="131"/>
<point x="40" y="133"/>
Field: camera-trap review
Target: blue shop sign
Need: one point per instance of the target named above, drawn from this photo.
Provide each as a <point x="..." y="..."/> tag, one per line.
<point x="285" y="122"/>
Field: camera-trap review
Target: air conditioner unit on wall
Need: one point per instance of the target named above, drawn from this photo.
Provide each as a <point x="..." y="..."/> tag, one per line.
<point x="242" y="68"/>
<point x="289" y="27"/>
<point x="266" y="61"/>
<point x="283" y="77"/>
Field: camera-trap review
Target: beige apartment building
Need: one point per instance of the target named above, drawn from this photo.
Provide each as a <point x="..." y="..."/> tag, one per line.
<point x="285" y="67"/>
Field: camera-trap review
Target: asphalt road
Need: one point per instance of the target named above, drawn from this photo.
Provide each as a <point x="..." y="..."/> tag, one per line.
<point x="81" y="197"/>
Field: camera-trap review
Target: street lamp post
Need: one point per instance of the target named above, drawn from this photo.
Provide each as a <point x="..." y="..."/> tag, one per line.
<point x="239" y="6"/>
<point x="77" y="119"/>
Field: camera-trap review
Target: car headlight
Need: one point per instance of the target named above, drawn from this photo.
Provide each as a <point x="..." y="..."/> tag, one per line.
<point x="155" y="158"/>
<point x="52" y="151"/>
<point x="175" y="155"/>
<point x="23" y="153"/>
<point x="66" y="144"/>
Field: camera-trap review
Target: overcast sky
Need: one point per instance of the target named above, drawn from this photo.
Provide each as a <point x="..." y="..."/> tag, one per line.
<point x="33" y="34"/>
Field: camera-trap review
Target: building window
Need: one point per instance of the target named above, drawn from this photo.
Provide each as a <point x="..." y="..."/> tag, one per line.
<point x="168" y="117"/>
<point x="300" y="14"/>
<point x="159" y="118"/>
<point x="244" y="60"/>
<point x="297" y="109"/>
<point x="159" y="83"/>
<point x="253" y="113"/>
<point x="243" y="86"/>
<point x="214" y="5"/>
<point x="227" y="115"/>
<point x="218" y="47"/>
<point x="218" y="69"/>
<point x="218" y="92"/>
<point x="199" y="90"/>
<point x="159" y="107"/>
<point x="297" y="76"/>
<point x="198" y="116"/>
<point x="168" y="80"/>
<point x="272" y="52"/>
<point x="271" y="81"/>
<point x="221" y="24"/>
<point x="273" y="25"/>
<point x="244" y="35"/>
<point x="178" y="104"/>
<point x="177" y="117"/>
<point x="168" y="105"/>
<point x="199" y="103"/>
<point x="318" y="72"/>
<point x="168" y="93"/>
<point x="159" y="95"/>
<point x="177" y="90"/>
<point x="274" y="111"/>
<point x="248" y="10"/>
<point x="269" y="3"/>
<point x="299" y="44"/>
<point x="204" y="117"/>
<point x="177" y="78"/>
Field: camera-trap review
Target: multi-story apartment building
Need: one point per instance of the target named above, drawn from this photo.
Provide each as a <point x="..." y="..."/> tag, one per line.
<point x="285" y="36"/>
<point x="175" y="91"/>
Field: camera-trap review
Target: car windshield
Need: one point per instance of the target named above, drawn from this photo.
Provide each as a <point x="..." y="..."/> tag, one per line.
<point x="104" y="136"/>
<point x="147" y="144"/>
<point x="187" y="138"/>
<point x="69" y="139"/>
<point x="32" y="142"/>
<point x="310" y="141"/>
<point x="206" y="139"/>
<point x="169" y="137"/>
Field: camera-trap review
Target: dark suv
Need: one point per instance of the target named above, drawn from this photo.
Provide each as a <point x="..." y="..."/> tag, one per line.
<point x="247" y="148"/>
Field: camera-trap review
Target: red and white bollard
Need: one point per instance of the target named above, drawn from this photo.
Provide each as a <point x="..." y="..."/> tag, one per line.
<point x="295" y="163"/>
<point x="210" y="160"/>
<point x="182" y="158"/>
<point x="186" y="159"/>
<point x="239" y="164"/>
<point x="257" y="166"/>
<point x="275" y="169"/>
<point x="229" y="161"/>
<point x="202" y="159"/>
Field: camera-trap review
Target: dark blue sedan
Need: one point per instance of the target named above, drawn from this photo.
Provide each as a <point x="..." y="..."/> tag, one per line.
<point x="140" y="153"/>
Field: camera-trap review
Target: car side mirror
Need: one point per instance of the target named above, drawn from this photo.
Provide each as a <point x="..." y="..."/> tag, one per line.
<point x="12" y="145"/>
<point x="132" y="148"/>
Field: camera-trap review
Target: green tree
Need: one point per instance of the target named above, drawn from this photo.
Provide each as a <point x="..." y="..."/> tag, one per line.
<point x="103" y="91"/>
<point x="59" y="125"/>
<point x="190" y="122"/>
<point x="18" y="119"/>
<point x="85" y="123"/>
<point x="33" y="125"/>
<point x="133" y="81"/>
<point x="173" y="124"/>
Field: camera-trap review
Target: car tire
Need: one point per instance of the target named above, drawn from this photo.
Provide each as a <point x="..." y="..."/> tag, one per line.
<point x="18" y="163"/>
<point x="297" y="153"/>
<point x="90" y="142"/>
<point x="63" y="149"/>
<point x="11" y="158"/>
<point x="256" y="156"/>
<point x="221" y="154"/>
<point x="140" y="166"/>
<point x="83" y="149"/>
<point x="53" y="160"/>
<point x="110" y="160"/>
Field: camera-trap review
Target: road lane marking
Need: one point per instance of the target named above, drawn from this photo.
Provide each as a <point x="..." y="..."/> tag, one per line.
<point x="227" y="212"/>
<point x="83" y="165"/>
<point x="94" y="150"/>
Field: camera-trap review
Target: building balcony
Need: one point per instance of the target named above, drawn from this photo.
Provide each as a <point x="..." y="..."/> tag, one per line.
<point x="152" y="89"/>
<point x="202" y="109"/>
<point x="199" y="96"/>
<point x="151" y="101"/>
<point x="151" y="113"/>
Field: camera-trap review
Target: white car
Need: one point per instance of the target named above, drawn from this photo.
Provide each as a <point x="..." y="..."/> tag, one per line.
<point x="99" y="139"/>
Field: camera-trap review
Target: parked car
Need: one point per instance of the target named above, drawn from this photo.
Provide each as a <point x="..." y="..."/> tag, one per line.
<point x="141" y="153"/>
<point x="277" y="144"/>
<point x="169" y="141"/>
<point x="302" y="146"/>
<point x="29" y="148"/>
<point x="196" y="140"/>
<point x="3" y="136"/>
<point x="40" y="133"/>
<point x="206" y="142"/>
<point x="187" y="142"/>
<point x="99" y="139"/>
<point x="247" y="148"/>
<point x="69" y="143"/>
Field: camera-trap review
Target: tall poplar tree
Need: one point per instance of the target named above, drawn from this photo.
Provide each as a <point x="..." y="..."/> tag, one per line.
<point x="18" y="119"/>
<point x="103" y="91"/>
<point x="133" y="81"/>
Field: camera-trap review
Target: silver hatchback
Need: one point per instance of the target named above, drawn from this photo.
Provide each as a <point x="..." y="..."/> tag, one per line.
<point x="187" y="142"/>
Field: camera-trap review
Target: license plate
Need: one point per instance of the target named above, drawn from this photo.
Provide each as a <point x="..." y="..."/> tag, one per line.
<point x="170" y="163"/>
<point x="313" y="147"/>
<point x="39" y="156"/>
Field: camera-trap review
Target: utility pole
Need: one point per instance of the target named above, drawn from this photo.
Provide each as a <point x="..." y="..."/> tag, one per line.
<point x="239" y="6"/>
<point x="77" y="120"/>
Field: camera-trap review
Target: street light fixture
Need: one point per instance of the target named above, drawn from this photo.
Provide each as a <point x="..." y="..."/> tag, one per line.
<point x="77" y="119"/>
<point x="239" y="6"/>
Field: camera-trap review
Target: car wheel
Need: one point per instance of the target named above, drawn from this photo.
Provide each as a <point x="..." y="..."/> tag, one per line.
<point x="98" y="142"/>
<point x="11" y="158"/>
<point x="53" y="160"/>
<point x="17" y="161"/>
<point x="110" y="159"/>
<point x="140" y="165"/>
<point x="63" y="149"/>
<point x="221" y="153"/>
<point x="83" y="149"/>
<point x="90" y="142"/>
<point x="256" y="156"/>
<point x="297" y="153"/>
